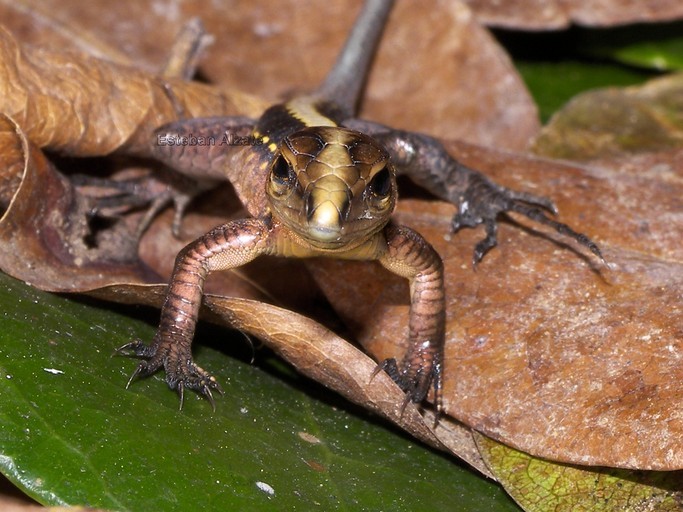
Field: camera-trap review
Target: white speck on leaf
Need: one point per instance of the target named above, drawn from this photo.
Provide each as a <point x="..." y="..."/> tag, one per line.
<point x="266" y="488"/>
<point x="309" y="438"/>
<point x="53" y="371"/>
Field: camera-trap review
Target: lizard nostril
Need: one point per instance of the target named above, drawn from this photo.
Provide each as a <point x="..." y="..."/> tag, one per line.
<point x="309" y="206"/>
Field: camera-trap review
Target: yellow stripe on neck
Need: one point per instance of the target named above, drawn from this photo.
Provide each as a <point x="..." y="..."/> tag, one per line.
<point x="304" y="110"/>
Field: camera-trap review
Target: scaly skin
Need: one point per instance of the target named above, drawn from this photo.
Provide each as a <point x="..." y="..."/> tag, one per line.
<point x="331" y="192"/>
<point x="320" y="183"/>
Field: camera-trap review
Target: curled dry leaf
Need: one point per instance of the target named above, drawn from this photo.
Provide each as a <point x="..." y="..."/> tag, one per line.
<point x="546" y="350"/>
<point x="254" y="50"/>
<point x="554" y="14"/>
<point x="44" y="229"/>
<point x="80" y="105"/>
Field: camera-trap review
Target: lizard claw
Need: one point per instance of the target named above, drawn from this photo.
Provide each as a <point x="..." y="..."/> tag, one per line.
<point x="181" y="371"/>
<point x="483" y="201"/>
<point x="140" y="371"/>
<point x="415" y="377"/>
<point x="203" y="390"/>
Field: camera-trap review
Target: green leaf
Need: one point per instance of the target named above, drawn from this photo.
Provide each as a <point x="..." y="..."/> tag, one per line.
<point x="552" y="84"/>
<point x="656" y="46"/>
<point x="556" y="66"/>
<point x="539" y="485"/>
<point x="662" y="55"/>
<point x="72" y="434"/>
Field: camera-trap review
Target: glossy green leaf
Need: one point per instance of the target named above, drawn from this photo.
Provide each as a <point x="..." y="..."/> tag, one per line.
<point x="552" y="84"/>
<point x="557" y="66"/>
<point x="655" y="46"/>
<point x="663" y="55"/>
<point x="72" y="434"/>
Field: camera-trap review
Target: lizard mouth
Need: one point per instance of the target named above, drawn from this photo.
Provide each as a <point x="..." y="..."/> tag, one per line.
<point x="325" y="235"/>
<point x="324" y="221"/>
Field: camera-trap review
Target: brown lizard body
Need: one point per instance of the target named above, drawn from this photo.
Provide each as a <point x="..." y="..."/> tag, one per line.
<point x="323" y="183"/>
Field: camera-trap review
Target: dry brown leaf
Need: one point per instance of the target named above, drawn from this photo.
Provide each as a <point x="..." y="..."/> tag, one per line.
<point x="86" y="26"/>
<point x="445" y="55"/>
<point x="450" y="57"/>
<point x="554" y="14"/>
<point x="44" y="229"/>
<point x="37" y="23"/>
<point x="80" y="105"/>
<point x="547" y="352"/>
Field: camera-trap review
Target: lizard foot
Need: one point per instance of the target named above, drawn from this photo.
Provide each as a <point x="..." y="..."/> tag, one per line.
<point x="415" y="376"/>
<point x="154" y="192"/>
<point x="181" y="371"/>
<point x="483" y="201"/>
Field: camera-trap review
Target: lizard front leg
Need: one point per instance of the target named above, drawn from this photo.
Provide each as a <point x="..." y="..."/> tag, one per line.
<point x="228" y="246"/>
<point x="479" y="200"/>
<point x="410" y="256"/>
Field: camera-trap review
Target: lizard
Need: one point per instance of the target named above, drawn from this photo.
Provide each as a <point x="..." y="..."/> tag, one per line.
<point x="320" y="182"/>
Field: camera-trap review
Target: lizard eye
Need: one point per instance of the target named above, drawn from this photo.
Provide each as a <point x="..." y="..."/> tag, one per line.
<point x="282" y="171"/>
<point x="380" y="185"/>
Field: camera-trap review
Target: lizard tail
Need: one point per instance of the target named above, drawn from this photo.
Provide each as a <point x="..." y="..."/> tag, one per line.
<point x="344" y="83"/>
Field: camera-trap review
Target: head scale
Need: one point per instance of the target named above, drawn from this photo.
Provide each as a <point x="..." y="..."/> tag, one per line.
<point x="332" y="186"/>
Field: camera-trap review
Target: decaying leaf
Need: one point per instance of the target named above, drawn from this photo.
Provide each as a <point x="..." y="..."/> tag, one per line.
<point x="613" y="122"/>
<point x="538" y="485"/>
<point x="543" y="14"/>
<point x="546" y="351"/>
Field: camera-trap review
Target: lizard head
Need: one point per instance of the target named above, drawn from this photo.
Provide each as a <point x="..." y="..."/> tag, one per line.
<point x="332" y="186"/>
